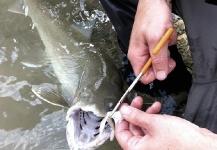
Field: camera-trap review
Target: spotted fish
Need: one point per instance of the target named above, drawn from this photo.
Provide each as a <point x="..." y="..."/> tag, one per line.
<point x="90" y="84"/>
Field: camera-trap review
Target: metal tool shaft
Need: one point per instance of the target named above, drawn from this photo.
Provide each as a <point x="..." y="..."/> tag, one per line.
<point x="164" y="39"/>
<point x="126" y="93"/>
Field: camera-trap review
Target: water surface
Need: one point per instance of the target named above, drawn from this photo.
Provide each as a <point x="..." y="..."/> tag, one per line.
<point x="26" y="121"/>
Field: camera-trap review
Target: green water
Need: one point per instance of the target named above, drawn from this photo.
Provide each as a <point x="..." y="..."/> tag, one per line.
<point x="27" y="122"/>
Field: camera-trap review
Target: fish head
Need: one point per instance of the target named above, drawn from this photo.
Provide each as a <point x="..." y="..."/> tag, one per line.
<point x="90" y="102"/>
<point x="83" y="130"/>
<point x="86" y="115"/>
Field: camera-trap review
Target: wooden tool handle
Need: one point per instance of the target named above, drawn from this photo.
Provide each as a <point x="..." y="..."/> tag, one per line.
<point x="164" y="39"/>
<point x="147" y="65"/>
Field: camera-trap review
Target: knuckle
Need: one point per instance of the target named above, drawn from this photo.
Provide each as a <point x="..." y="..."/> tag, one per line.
<point x="133" y="142"/>
<point x="159" y="61"/>
<point x="154" y="39"/>
<point x="130" y="55"/>
<point x="147" y="78"/>
<point x="137" y="117"/>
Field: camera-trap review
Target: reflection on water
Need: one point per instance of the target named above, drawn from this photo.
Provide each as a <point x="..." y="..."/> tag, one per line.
<point x="26" y="121"/>
<point x="48" y="134"/>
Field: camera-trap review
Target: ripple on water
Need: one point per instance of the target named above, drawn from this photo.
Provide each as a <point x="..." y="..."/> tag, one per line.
<point x="48" y="134"/>
<point x="8" y="89"/>
<point x="26" y="122"/>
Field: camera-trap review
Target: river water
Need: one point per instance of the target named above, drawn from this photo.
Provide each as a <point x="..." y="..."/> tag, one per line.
<point x="26" y="122"/>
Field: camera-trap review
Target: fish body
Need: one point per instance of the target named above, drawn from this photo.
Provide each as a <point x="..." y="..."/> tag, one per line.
<point x="90" y="84"/>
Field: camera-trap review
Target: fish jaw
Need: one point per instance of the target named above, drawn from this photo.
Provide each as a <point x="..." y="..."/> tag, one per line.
<point x="83" y="129"/>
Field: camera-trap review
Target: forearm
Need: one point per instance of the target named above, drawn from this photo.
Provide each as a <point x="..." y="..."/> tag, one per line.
<point x="153" y="14"/>
<point x="201" y="139"/>
<point x="146" y="4"/>
<point x="210" y="140"/>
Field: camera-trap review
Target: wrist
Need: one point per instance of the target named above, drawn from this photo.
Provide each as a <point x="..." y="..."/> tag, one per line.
<point x="198" y="139"/>
<point x="211" y="141"/>
<point x="208" y="140"/>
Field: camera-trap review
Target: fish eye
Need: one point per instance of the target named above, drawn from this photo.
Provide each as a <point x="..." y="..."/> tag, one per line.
<point x="110" y="106"/>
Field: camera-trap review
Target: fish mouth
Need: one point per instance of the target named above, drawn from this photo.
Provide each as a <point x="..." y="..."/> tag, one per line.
<point x="83" y="130"/>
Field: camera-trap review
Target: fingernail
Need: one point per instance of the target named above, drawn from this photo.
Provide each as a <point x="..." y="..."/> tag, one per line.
<point x="125" y="110"/>
<point x="170" y="65"/>
<point x="161" y="75"/>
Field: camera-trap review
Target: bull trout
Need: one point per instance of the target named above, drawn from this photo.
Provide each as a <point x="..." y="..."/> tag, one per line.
<point x="90" y="84"/>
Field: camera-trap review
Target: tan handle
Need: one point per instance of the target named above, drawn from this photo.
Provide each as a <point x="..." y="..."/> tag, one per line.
<point x="163" y="40"/>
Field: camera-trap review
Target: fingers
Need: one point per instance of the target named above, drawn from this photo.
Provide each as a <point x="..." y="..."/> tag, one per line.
<point x="149" y="76"/>
<point x="136" y="117"/>
<point x="125" y="131"/>
<point x="122" y="132"/>
<point x="138" y="54"/>
<point x="146" y="34"/>
<point x="172" y="65"/>
<point x="142" y="46"/>
<point x="135" y="124"/>
<point x="173" y="38"/>
<point x="154" y="108"/>
<point x="160" y="62"/>
<point x="136" y="103"/>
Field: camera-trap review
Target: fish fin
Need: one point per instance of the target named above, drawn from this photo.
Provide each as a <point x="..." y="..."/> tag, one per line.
<point x="86" y="29"/>
<point x="17" y="7"/>
<point x="82" y="75"/>
<point x="50" y="93"/>
<point x="35" y="58"/>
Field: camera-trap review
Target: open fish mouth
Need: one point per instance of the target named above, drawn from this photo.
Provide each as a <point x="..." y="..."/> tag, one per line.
<point x="83" y="130"/>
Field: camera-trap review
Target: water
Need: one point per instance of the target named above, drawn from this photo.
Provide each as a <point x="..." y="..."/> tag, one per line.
<point x="26" y="121"/>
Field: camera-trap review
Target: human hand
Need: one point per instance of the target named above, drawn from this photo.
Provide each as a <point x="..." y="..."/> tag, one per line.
<point x="153" y="19"/>
<point x="146" y="130"/>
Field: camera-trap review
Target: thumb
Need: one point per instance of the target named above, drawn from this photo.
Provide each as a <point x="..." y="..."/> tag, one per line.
<point x="136" y="116"/>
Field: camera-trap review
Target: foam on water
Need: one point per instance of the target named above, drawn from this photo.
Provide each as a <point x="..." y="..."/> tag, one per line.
<point x="28" y="123"/>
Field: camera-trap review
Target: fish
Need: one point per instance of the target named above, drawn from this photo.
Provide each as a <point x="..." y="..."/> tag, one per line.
<point x="89" y="82"/>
